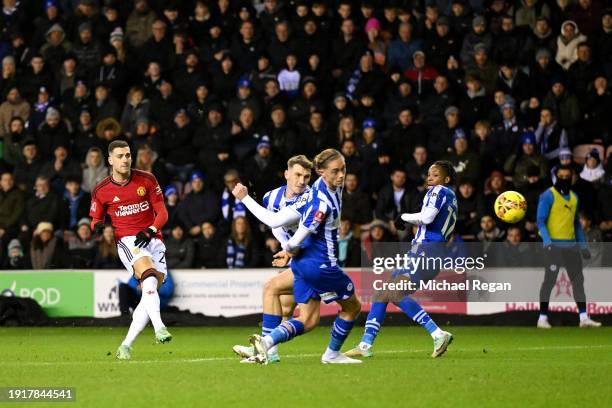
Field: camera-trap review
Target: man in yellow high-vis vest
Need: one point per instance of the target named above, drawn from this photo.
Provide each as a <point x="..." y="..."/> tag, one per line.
<point x="564" y="243"/>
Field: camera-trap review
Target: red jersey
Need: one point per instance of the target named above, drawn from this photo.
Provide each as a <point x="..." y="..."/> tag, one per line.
<point x="132" y="206"/>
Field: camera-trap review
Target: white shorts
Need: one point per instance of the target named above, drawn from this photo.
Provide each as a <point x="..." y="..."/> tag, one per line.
<point x="130" y="253"/>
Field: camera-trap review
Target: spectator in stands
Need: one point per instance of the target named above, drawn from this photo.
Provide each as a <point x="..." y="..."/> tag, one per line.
<point x="489" y="232"/>
<point x="85" y="137"/>
<point x="530" y="11"/>
<point x="60" y="168"/>
<point x="177" y="146"/>
<point x="47" y="250"/>
<point x="208" y="244"/>
<point x="403" y="48"/>
<point x="137" y="106"/>
<point x="515" y="252"/>
<point x="15" y="257"/>
<point x="475" y="102"/>
<point x="172" y="200"/>
<point x="477" y="38"/>
<point x="567" y="44"/>
<point x="271" y="247"/>
<point x="45" y="205"/>
<point x="394" y="199"/>
<point x="28" y="166"/>
<point x="507" y="134"/>
<point x="14" y="105"/>
<point x="75" y="203"/>
<point x="241" y="250"/>
<point x="593" y="170"/>
<point x="541" y="73"/>
<point x="493" y="187"/>
<point x="371" y="243"/>
<point x="148" y="160"/>
<point x="563" y="105"/>
<point x="81" y="245"/>
<point x="356" y="206"/>
<point x="11" y="207"/>
<point x="551" y="137"/>
<point x="598" y="123"/>
<point x="594" y="238"/>
<point x="531" y="191"/>
<point x="349" y="251"/>
<point x="262" y="170"/>
<point x="517" y="164"/>
<point x="106" y="255"/>
<point x="164" y="105"/>
<point x="95" y="170"/>
<point x="469" y="203"/>
<point x="417" y="168"/>
<point x="465" y="161"/>
<point x="199" y="205"/>
<point x="404" y="136"/>
<point x="52" y="133"/>
<point x="179" y="249"/>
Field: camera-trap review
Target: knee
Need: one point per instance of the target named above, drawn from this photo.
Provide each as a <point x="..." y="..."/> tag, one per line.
<point x="352" y="310"/>
<point x="270" y="288"/>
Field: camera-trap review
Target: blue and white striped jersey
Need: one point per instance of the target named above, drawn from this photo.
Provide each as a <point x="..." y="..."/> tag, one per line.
<point x="275" y="200"/>
<point x="440" y="229"/>
<point x="322" y="217"/>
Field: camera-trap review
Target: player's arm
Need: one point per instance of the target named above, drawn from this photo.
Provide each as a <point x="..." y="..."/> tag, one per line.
<point x="286" y="216"/>
<point x="156" y="198"/>
<point x="544" y="205"/>
<point x="278" y="234"/>
<point x="97" y="212"/>
<point x="431" y="208"/>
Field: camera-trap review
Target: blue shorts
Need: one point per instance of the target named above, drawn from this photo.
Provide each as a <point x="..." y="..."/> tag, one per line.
<point x="312" y="281"/>
<point x="424" y="266"/>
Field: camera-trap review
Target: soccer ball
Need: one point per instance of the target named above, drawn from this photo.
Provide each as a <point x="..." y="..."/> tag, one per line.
<point x="510" y="207"/>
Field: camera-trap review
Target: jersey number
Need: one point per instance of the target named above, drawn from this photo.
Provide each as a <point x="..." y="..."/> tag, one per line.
<point x="449" y="224"/>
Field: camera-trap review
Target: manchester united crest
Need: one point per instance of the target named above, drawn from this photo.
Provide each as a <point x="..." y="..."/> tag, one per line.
<point x="141" y="191"/>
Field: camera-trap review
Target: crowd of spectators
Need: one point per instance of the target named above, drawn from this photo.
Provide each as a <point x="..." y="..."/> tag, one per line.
<point x="209" y="93"/>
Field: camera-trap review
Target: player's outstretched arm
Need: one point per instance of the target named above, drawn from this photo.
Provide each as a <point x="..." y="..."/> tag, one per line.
<point x="424" y="217"/>
<point x="286" y="216"/>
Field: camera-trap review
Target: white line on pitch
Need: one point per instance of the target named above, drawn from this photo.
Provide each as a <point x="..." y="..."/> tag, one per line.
<point x="492" y="349"/>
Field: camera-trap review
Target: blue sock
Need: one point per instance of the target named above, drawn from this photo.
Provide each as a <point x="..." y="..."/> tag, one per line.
<point x="375" y="319"/>
<point x="286" y="331"/>
<point x="416" y="313"/>
<point x="339" y="333"/>
<point x="269" y="323"/>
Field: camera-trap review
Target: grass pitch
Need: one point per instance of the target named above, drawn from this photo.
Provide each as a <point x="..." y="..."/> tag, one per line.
<point x="484" y="367"/>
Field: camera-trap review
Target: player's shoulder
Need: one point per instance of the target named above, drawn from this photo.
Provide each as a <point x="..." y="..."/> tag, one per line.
<point x="143" y="175"/>
<point x="105" y="182"/>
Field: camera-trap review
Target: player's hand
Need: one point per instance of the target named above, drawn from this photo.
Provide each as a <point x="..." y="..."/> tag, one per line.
<point x="400" y="224"/>
<point x="98" y="229"/>
<point x="240" y="191"/>
<point x="586" y="254"/>
<point x="144" y="237"/>
<point x="281" y="259"/>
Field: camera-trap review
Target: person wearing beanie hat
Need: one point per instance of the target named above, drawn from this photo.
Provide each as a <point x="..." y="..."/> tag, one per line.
<point x="52" y="113"/>
<point x="518" y="164"/>
<point x="477" y="35"/>
<point x="593" y="170"/>
<point x="16" y="258"/>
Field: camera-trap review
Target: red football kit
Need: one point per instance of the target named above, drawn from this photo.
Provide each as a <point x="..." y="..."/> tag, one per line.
<point x="132" y="206"/>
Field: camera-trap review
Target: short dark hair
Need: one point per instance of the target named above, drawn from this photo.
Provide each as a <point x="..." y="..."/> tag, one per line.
<point x="448" y="169"/>
<point x="115" y="144"/>
<point x="567" y="167"/>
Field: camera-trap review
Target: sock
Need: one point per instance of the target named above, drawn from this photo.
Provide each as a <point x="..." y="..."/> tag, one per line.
<point x="150" y="301"/>
<point x="583" y="316"/>
<point x="373" y="322"/>
<point x="140" y="319"/>
<point x="340" y="331"/>
<point x="543" y="317"/>
<point x="284" y="332"/>
<point x="416" y="313"/>
<point x="581" y="307"/>
<point x="269" y="323"/>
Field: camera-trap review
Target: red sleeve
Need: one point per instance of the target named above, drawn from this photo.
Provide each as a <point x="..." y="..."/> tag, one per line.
<point x="157" y="201"/>
<point x="96" y="210"/>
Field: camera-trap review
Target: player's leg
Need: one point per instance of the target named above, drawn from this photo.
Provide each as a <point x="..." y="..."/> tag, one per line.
<point x="552" y="260"/>
<point x="341" y="329"/>
<point x="573" y="265"/>
<point x="308" y="299"/>
<point x="280" y="285"/>
<point x="373" y="324"/>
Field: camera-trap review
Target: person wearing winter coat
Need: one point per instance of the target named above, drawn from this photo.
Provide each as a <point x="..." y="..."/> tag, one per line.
<point x="567" y="44"/>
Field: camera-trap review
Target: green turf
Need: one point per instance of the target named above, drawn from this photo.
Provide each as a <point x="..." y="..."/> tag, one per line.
<point x="485" y="367"/>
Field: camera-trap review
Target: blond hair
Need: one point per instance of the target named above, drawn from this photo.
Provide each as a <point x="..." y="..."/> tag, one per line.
<point x="301" y="160"/>
<point x="322" y="159"/>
